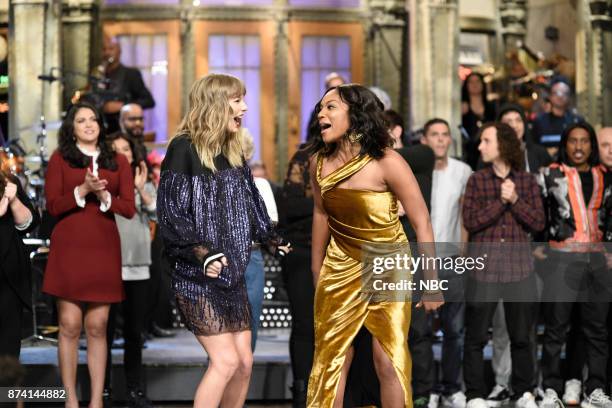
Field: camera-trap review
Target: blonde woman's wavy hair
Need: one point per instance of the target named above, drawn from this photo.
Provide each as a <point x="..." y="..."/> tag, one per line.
<point x="208" y="116"/>
<point x="247" y="143"/>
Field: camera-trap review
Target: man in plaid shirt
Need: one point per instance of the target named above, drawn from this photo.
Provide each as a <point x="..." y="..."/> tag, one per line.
<point x="502" y="206"/>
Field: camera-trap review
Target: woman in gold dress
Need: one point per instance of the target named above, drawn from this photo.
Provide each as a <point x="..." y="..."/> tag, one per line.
<point x="357" y="182"/>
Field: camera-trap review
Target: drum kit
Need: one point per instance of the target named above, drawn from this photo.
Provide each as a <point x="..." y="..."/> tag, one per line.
<point x="29" y="168"/>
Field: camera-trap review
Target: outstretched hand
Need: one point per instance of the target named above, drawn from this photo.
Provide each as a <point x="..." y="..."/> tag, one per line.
<point x="283" y="250"/>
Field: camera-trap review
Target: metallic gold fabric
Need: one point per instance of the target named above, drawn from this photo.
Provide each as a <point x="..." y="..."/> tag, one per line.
<point x="355" y="217"/>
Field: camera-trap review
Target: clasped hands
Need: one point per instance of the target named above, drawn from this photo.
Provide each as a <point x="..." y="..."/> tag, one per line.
<point x="10" y="193"/>
<point x="93" y="184"/>
<point x="508" y="192"/>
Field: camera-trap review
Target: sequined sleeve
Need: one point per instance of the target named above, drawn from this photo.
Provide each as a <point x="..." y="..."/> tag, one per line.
<point x="175" y="207"/>
<point x="263" y="230"/>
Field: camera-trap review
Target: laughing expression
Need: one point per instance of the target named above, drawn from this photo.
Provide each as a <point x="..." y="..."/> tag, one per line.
<point x="238" y="109"/>
<point x="333" y="118"/>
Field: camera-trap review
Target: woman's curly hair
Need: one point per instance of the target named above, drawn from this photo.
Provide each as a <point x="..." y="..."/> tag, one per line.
<point x="365" y="118"/>
<point x="67" y="141"/>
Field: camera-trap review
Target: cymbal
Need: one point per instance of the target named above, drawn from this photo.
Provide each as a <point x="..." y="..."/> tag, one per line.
<point x="54" y="125"/>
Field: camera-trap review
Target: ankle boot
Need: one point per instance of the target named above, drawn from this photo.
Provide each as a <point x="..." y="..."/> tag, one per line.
<point x="299" y="391"/>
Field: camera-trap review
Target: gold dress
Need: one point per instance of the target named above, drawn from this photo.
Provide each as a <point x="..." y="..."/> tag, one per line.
<point x="355" y="217"/>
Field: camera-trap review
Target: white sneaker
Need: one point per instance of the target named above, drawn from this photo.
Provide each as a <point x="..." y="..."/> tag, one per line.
<point x="551" y="399"/>
<point x="597" y="399"/>
<point x="498" y="396"/>
<point x="457" y="400"/>
<point x="573" y="389"/>
<point x="476" y="403"/>
<point x="434" y="400"/>
<point x="526" y="401"/>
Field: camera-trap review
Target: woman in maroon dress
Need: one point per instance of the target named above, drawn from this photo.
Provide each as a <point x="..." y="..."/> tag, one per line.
<point x="86" y="184"/>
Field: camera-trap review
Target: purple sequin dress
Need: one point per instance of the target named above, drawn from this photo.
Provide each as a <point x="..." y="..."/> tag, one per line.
<point x="201" y="213"/>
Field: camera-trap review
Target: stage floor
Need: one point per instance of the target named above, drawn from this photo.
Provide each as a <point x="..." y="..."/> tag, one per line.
<point x="272" y="346"/>
<point x="173" y="367"/>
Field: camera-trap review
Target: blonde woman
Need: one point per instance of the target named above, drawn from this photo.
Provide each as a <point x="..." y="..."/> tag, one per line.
<point x="209" y="213"/>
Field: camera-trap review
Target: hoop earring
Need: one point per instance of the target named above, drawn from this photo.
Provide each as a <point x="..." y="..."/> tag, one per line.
<point x="354" y="137"/>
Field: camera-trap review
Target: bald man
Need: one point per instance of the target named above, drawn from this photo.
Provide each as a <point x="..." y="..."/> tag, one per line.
<point x="131" y="120"/>
<point x="131" y="123"/>
<point x="126" y="84"/>
<point x="604" y="140"/>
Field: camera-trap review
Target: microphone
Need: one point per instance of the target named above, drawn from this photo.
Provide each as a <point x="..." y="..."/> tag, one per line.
<point x="104" y="64"/>
<point x="49" y="78"/>
<point x="464" y="134"/>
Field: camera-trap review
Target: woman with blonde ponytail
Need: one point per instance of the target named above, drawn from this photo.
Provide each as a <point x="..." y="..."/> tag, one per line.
<point x="209" y="213"/>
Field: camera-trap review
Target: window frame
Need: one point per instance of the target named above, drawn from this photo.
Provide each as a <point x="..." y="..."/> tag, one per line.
<point x="298" y="30"/>
<point x="266" y="30"/>
<point x="172" y="30"/>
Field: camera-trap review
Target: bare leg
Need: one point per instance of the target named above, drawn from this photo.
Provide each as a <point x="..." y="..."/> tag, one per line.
<point x="391" y="391"/>
<point x="223" y="361"/>
<point x="70" y="324"/>
<point x="96" y="318"/>
<point x="339" y="401"/>
<point x="237" y="388"/>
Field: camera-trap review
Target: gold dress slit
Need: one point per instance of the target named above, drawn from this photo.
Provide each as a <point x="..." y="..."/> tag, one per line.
<point x="355" y="218"/>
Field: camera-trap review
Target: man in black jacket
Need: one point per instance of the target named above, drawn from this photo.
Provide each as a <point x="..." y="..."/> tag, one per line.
<point x="548" y="126"/>
<point x="125" y="85"/>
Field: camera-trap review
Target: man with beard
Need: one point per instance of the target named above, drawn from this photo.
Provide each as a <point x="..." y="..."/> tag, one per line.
<point x="131" y="123"/>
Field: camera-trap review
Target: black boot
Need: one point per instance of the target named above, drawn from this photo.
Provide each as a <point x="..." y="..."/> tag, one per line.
<point x="159" y="332"/>
<point x="107" y="398"/>
<point x="299" y="390"/>
<point x="138" y="399"/>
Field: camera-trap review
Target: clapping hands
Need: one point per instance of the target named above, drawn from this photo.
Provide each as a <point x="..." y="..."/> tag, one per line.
<point x="140" y="176"/>
<point x="10" y="192"/>
<point x="93" y="184"/>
